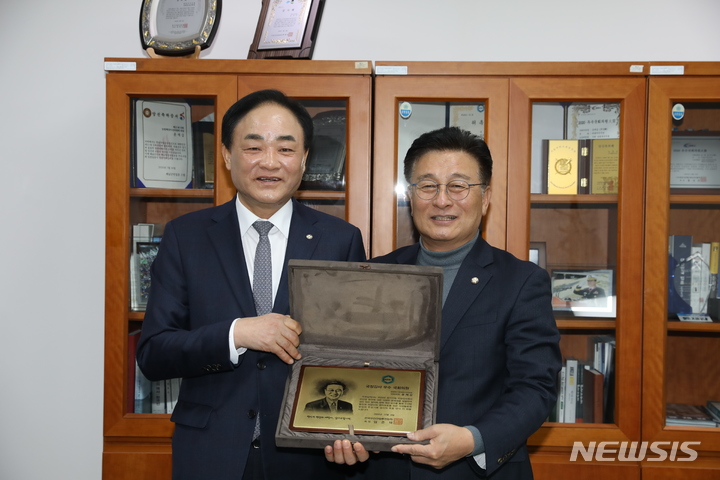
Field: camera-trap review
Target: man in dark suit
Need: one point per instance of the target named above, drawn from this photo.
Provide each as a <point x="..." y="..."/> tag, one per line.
<point x="331" y="402"/>
<point x="499" y="354"/>
<point x="202" y="321"/>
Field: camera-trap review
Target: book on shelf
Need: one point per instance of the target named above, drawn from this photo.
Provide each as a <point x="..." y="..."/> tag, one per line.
<point x="601" y="356"/>
<point x="158" y="397"/>
<point x="713" y="408"/>
<point x="713" y="265"/>
<point x="604" y="166"/>
<point x="133" y="338"/>
<point x="592" y="395"/>
<point x="688" y="415"/>
<point x="571" y="375"/>
<point x="580" y="394"/>
<point x="165" y="395"/>
<point x="714" y="296"/>
<point x="560" y="403"/>
<point x="680" y="275"/>
<point x="143" y="388"/>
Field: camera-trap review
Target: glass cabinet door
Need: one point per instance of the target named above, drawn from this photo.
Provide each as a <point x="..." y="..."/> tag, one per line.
<point x="407" y="106"/>
<point x="682" y="239"/>
<point x="162" y="140"/>
<point x="575" y="208"/>
<point x="337" y="176"/>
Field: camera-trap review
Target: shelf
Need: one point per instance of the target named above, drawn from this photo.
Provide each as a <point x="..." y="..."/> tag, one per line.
<point x="577" y="324"/>
<point x="320" y="195"/>
<point x="678" y="326"/>
<point x="712" y="197"/>
<point x="573" y="199"/>
<point x="172" y="192"/>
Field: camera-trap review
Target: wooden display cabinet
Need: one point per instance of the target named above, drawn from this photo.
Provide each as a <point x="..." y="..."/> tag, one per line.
<point x="680" y="359"/>
<point x="137" y="445"/>
<point x="590" y="232"/>
<point x="576" y="231"/>
<point x="431" y="92"/>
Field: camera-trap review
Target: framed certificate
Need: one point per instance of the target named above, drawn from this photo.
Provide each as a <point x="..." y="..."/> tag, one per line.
<point x="286" y="29"/>
<point x="695" y="162"/>
<point x="593" y="120"/>
<point x="163" y="145"/>
<point x="177" y="28"/>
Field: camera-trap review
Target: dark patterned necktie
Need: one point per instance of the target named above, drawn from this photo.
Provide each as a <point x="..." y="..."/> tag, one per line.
<point x="262" y="283"/>
<point x="262" y="273"/>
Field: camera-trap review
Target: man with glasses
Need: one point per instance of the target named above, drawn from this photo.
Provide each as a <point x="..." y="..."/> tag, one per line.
<point x="499" y="353"/>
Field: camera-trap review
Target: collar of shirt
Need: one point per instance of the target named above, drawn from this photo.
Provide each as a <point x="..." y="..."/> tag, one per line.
<point x="278" y="237"/>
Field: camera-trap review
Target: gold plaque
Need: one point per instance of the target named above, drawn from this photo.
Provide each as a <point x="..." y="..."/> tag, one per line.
<point x="358" y="400"/>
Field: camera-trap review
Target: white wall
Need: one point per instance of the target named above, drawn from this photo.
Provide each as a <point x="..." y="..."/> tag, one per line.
<point x="52" y="133"/>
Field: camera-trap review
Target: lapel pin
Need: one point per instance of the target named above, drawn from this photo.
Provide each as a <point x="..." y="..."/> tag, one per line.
<point x="474" y="280"/>
<point x="308" y="236"/>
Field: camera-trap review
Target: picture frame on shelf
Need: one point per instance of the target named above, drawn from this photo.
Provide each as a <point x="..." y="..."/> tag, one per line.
<point x="537" y="254"/>
<point x="286" y="29"/>
<point x="584" y="293"/>
<point x="140" y="263"/>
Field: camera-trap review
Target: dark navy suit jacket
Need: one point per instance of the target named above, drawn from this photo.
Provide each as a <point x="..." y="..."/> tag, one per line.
<point x="200" y="284"/>
<point x="499" y="359"/>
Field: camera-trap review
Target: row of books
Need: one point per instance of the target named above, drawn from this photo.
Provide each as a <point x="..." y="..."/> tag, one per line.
<point x="586" y="387"/>
<point x="693" y="286"/>
<point x="145" y="396"/>
<point x="707" y="415"/>
<point x="587" y="166"/>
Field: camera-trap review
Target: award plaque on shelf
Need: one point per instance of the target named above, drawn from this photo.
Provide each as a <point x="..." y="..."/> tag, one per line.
<point x="163" y="145"/>
<point x="695" y="162"/>
<point x="326" y="162"/>
<point x="563" y="166"/>
<point x="286" y="29"/>
<point x="370" y="349"/>
<point x="175" y="28"/>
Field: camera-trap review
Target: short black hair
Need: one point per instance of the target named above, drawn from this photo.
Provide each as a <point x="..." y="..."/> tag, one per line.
<point x="327" y="383"/>
<point x="451" y="139"/>
<point x="250" y="102"/>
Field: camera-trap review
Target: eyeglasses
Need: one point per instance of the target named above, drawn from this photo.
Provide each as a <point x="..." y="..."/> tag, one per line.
<point x="456" y="190"/>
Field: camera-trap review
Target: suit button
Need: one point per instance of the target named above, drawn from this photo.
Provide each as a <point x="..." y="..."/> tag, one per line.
<point x="251" y="413"/>
<point x="261" y="365"/>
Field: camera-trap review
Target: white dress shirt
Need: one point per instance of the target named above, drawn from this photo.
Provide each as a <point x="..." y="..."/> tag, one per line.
<point x="278" y="237"/>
